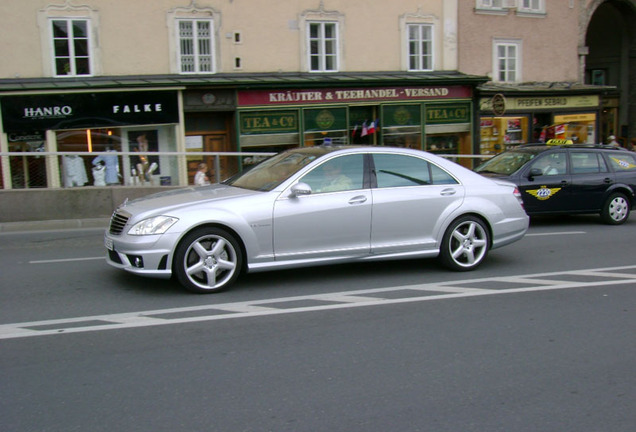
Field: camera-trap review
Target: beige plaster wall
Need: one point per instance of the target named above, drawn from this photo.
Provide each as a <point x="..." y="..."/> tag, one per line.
<point x="549" y="47"/>
<point x="134" y="37"/>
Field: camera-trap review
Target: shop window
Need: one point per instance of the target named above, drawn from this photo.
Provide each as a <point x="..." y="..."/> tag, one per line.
<point x="323" y="46"/>
<point x="71" y="44"/>
<point x="268" y="131"/>
<point x="364" y="125"/>
<point x="27" y="170"/>
<point x="402" y="126"/>
<point x="420" y="47"/>
<point x="196" y="42"/>
<point x="325" y="126"/>
<point x="579" y="128"/>
<point x="502" y="133"/>
<point x="507" y="61"/>
<point x="98" y="170"/>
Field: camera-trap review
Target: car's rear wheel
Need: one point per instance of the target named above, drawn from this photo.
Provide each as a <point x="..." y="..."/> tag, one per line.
<point x="465" y="244"/>
<point x="208" y="260"/>
<point x="616" y="209"/>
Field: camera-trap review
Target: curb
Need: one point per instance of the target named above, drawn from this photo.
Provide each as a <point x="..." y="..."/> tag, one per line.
<point x="51" y="225"/>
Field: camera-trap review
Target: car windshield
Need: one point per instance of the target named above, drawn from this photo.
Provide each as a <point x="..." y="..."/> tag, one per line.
<point x="505" y="163"/>
<point x="273" y="171"/>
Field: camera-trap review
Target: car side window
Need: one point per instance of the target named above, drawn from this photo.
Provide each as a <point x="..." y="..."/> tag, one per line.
<point x="551" y="164"/>
<point x="403" y="170"/>
<point x="338" y="174"/>
<point x="587" y="163"/>
<point x="622" y="162"/>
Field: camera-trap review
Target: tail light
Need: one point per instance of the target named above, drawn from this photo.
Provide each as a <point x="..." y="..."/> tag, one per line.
<point x="517" y="194"/>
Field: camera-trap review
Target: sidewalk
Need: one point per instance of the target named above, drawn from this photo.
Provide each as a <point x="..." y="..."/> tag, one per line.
<point x="51" y="225"/>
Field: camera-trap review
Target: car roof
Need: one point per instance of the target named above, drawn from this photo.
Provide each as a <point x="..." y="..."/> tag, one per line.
<point x="541" y="147"/>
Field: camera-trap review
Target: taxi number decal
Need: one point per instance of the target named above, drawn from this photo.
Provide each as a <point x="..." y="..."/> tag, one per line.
<point x="543" y="193"/>
<point x="623" y="164"/>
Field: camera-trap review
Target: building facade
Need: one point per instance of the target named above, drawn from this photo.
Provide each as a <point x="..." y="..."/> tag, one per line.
<point x="133" y="93"/>
<point x="209" y="76"/>
<point x="553" y="69"/>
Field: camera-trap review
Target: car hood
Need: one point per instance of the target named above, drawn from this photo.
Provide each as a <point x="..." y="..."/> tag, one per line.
<point x="167" y="201"/>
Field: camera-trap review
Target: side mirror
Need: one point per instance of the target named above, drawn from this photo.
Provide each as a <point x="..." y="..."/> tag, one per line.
<point x="300" y="189"/>
<point x="535" y="172"/>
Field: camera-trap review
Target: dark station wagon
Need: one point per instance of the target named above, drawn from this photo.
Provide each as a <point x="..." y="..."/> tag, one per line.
<point x="562" y="178"/>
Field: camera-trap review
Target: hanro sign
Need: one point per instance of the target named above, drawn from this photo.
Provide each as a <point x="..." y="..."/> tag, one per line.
<point x="323" y="96"/>
<point x="87" y="110"/>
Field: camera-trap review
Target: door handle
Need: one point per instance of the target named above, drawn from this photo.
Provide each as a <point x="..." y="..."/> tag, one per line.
<point x="358" y="199"/>
<point x="564" y="183"/>
<point x="448" y="192"/>
<point x="608" y="180"/>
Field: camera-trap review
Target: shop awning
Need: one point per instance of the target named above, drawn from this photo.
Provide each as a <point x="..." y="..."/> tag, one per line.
<point x="242" y="80"/>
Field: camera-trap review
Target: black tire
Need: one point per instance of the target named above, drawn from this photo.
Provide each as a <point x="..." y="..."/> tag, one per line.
<point x="465" y="244"/>
<point x="616" y="209"/>
<point x="207" y="260"/>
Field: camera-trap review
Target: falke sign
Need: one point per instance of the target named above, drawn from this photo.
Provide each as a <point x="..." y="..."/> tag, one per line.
<point x="88" y="110"/>
<point x="321" y="96"/>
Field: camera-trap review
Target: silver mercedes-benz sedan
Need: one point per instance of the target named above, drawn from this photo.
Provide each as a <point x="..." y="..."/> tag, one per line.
<point x="317" y="206"/>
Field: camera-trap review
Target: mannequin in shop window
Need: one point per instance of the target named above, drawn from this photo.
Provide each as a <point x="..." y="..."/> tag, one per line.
<point x="143" y="167"/>
<point x="110" y="168"/>
<point x="74" y="171"/>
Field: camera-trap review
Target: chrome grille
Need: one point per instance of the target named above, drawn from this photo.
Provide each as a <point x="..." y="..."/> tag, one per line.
<point x="118" y="222"/>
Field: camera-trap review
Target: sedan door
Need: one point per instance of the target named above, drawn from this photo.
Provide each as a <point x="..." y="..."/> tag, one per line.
<point x="545" y="184"/>
<point x="412" y="197"/>
<point x="591" y="179"/>
<point x="334" y="220"/>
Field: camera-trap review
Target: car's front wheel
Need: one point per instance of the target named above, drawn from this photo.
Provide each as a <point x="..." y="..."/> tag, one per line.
<point x="207" y="260"/>
<point x="465" y="244"/>
<point x="616" y="209"/>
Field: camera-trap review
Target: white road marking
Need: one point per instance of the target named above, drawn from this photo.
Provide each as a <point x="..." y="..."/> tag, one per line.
<point x="330" y="301"/>
<point x="555" y="233"/>
<point x="53" y="261"/>
<point x="66" y="260"/>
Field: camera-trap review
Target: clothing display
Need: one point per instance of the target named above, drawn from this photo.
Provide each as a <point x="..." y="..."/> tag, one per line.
<point x="74" y="171"/>
<point x="111" y="164"/>
<point x="99" y="175"/>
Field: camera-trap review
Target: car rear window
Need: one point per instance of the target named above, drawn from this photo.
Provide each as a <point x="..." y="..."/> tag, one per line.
<point x="622" y="162"/>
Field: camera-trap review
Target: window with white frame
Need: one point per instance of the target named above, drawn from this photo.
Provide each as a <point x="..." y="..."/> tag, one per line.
<point x="507" y="61"/>
<point x="420" y="47"/>
<point x="490" y="4"/>
<point x="323" y="46"/>
<point x="71" y="43"/>
<point x="196" y="45"/>
<point x="531" y="6"/>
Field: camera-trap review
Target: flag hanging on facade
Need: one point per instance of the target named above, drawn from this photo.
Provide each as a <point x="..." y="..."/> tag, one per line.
<point x="365" y="131"/>
<point x="371" y="129"/>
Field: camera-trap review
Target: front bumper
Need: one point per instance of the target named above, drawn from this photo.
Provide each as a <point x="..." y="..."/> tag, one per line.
<point x="143" y="255"/>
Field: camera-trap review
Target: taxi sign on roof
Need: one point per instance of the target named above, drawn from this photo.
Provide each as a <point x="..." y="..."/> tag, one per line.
<point x="560" y="142"/>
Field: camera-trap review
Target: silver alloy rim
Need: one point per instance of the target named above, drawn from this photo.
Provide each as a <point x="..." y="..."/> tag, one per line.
<point x="618" y="209"/>
<point x="210" y="262"/>
<point x="468" y="244"/>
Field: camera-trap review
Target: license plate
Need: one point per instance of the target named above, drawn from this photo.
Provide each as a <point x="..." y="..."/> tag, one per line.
<point x="108" y="243"/>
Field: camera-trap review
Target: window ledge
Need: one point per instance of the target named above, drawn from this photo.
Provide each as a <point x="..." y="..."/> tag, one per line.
<point x="483" y="11"/>
<point x="529" y="14"/>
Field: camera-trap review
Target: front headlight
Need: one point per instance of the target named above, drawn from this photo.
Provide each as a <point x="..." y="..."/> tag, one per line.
<point x="154" y="225"/>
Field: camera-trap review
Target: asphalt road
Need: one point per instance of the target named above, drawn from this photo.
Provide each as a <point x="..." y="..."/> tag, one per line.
<point x="540" y="338"/>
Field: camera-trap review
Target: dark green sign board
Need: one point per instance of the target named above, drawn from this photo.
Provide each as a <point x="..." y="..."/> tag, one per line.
<point x="326" y="119"/>
<point x="265" y="122"/>
<point x="447" y="113"/>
